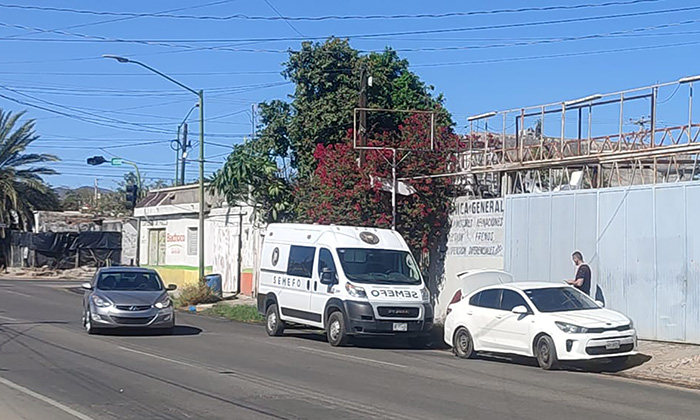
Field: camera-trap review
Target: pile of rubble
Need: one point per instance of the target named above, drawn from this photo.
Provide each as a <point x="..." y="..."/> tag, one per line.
<point x="79" y="273"/>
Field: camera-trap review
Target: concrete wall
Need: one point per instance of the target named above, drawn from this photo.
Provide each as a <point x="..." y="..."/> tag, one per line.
<point x="222" y="229"/>
<point x="475" y="241"/>
<point x="642" y="243"/>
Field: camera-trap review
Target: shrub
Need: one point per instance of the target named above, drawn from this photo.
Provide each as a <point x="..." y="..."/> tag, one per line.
<point x="194" y="294"/>
<point x="240" y="313"/>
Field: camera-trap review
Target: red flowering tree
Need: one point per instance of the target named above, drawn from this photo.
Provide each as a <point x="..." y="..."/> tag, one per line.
<point x="342" y="193"/>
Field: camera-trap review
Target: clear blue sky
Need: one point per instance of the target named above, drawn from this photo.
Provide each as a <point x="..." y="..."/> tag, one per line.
<point x="137" y="113"/>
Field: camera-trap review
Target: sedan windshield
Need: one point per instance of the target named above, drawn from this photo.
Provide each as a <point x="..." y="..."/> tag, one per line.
<point x="559" y="299"/>
<point x="129" y="281"/>
<point x="379" y="266"/>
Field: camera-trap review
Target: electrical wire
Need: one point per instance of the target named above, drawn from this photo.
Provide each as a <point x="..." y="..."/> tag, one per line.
<point x="358" y="36"/>
<point x="330" y="17"/>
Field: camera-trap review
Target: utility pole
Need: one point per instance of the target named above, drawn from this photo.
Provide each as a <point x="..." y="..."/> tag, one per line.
<point x="362" y="105"/>
<point x="252" y="122"/>
<point x="183" y="146"/>
<point x="97" y="197"/>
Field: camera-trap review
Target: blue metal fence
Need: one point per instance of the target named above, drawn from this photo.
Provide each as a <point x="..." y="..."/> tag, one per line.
<point x="642" y="243"/>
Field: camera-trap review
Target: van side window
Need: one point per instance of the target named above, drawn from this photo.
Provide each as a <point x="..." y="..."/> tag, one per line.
<point x="325" y="260"/>
<point x="301" y="261"/>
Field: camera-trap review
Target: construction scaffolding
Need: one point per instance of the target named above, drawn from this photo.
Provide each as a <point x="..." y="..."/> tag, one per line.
<point x="562" y="145"/>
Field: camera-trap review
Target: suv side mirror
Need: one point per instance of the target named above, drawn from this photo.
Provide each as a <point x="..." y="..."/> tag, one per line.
<point x="171" y="287"/>
<point x="86" y="286"/>
<point x="327" y="276"/>
<point x="520" y="310"/>
<point x="600" y="304"/>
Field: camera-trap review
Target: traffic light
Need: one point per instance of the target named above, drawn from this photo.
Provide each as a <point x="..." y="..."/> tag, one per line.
<point x="132" y="196"/>
<point x="96" y="160"/>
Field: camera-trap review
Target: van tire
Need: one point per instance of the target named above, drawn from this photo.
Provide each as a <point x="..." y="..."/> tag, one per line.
<point x="335" y="330"/>
<point x="274" y="326"/>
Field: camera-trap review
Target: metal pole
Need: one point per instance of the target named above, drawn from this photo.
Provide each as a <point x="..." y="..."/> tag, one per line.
<point x="690" y="114"/>
<point x="201" y="185"/>
<point x="393" y="189"/>
<point x="654" y="94"/>
<point x="563" y="129"/>
<point x="622" y="114"/>
<point x="177" y="157"/>
<point x="590" y="127"/>
<point x="183" y="146"/>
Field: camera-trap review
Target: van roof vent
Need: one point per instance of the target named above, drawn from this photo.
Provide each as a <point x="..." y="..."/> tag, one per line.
<point x="369" y="238"/>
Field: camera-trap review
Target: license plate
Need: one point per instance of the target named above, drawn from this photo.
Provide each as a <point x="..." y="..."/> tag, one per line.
<point x="612" y="345"/>
<point x="402" y="326"/>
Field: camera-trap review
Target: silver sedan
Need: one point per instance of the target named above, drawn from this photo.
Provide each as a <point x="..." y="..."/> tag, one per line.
<point x="127" y="297"/>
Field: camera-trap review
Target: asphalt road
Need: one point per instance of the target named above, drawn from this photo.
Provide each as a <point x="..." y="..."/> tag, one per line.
<point x="215" y="369"/>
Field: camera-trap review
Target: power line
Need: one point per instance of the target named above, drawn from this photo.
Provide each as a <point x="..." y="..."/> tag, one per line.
<point x="330" y="17"/>
<point x="359" y="36"/>
<point x="283" y="18"/>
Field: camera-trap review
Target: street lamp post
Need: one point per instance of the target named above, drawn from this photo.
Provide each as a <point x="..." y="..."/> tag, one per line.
<point x="200" y="95"/>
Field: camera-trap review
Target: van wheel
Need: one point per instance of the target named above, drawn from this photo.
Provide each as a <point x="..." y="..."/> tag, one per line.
<point x="335" y="330"/>
<point x="274" y="326"/>
<point x="546" y="353"/>
<point x="463" y="345"/>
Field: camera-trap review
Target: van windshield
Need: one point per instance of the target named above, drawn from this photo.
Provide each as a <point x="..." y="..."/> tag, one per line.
<point x="379" y="266"/>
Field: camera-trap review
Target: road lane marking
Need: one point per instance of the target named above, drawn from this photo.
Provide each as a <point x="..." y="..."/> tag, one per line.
<point x="8" y="318"/>
<point x="166" y="359"/>
<point x="346" y="356"/>
<point x="18" y="293"/>
<point x="45" y="399"/>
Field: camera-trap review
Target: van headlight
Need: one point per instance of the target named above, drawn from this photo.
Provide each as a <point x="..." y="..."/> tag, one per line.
<point x="163" y="303"/>
<point x="355" y="291"/>
<point x="571" y="328"/>
<point x="424" y="293"/>
<point x="101" y="302"/>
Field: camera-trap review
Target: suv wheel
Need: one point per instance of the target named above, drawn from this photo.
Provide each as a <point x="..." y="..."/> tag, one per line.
<point x="273" y="324"/>
<point x="335" y="330"/>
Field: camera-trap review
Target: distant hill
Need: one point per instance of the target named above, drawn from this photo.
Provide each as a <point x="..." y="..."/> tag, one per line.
<point x="63" y="191"/>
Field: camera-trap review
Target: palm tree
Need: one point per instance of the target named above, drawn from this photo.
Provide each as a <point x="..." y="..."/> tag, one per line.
<point x="22" y="188"/>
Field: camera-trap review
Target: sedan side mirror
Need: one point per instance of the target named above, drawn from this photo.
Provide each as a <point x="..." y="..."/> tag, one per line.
<point x="86" y="286"/>
<point x="327" y="276"/>
<point x="171" y="287"/>
<point x="520" y="310"/>
<point x="600" y="304"/>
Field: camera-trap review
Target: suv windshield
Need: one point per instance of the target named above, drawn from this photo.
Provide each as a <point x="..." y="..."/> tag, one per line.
<point x="559" y="299"/>
<point x="129" y="281"/>
<point x="380" y="266"/>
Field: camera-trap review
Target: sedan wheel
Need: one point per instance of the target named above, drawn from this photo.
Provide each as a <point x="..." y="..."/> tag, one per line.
<point x="546" y="353"/>
<point x="87" y="323"/>
<point x="463" y="345"/>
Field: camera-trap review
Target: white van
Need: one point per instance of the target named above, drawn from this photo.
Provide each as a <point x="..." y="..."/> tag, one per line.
<point x="349" y="281"/>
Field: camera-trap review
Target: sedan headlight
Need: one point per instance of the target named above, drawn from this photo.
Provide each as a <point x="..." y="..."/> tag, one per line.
<point x="425" y="293"/>
<point x="101" y="302"/>
<point x="163" y="303"/>
<point x="355" y="291"/>
<point x="571" y="328"/>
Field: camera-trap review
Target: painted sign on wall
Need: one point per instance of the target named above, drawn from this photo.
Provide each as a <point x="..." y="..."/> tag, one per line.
<point x="476" y="229"/>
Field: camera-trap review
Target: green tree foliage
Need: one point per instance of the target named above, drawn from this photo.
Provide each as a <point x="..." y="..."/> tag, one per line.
<point x="327" y="77"/>
<point x="22" y="187"/>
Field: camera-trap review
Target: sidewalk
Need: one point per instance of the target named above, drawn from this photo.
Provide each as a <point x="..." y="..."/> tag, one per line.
<point x="676" y="364"/>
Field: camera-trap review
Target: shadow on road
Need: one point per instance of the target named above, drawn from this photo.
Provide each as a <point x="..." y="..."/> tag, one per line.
<point x="595" y="366"/>
<point x="34" y="323"/>
<point x="179" y="330"/>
